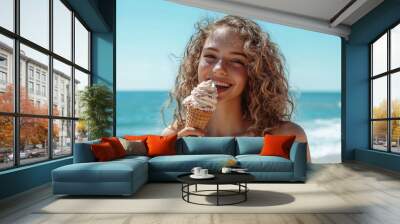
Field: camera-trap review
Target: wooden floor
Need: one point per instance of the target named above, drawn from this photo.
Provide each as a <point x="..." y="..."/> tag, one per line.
<point x="377" y="188"/>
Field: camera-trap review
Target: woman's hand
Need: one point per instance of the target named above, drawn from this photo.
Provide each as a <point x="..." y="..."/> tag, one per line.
<point x="189" y="131"/>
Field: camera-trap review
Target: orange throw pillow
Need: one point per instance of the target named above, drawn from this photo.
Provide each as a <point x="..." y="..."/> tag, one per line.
<point x="136" y="138"/>
<point x="277" y="145"/>
<point x="161" y="145"/>
<point x="116" y="145"/>
<point x="103" y="151"/>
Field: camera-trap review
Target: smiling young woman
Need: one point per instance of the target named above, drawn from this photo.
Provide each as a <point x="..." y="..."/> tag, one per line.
<point x="248" y="70"/>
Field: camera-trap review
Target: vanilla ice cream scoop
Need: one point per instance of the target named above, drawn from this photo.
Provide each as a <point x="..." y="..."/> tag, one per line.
<point x="203" y="96"/>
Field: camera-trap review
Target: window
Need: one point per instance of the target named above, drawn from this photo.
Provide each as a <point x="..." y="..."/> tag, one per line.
<point x="3" y="61"/>
<point x="385" y="91"/>
<point x="3" y="78"/>
<point x="81" y="45"/>
<point x="37" y="89"/>
<point x="62" y="31"/>
<point x="7" y="14"/>
<point x="7" y="142"/>
<point x="62" y="74"/>
<point x="37" y="75"/>
<point x="44" y="91"/>
<point x="6" y="74"/>
<point x="3" y="72"/>
<point x="30" y="87"/>
<point x="35" y="21"/>
<point x="54" y="126"/>
<point x="62" y="140"/>
<point x="30" y="72"/>
<point x="81" y="81"/>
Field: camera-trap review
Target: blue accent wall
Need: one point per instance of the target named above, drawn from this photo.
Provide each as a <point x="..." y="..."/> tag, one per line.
<point x="356" y="83"/>
<point x="102" y="58"/>
<point x="24" y="178"/>
<point x="99" y="16"/>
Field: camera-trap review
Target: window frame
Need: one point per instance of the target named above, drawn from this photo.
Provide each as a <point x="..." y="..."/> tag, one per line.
<point x="16" y="115"/>
<point x="388" y="74"/>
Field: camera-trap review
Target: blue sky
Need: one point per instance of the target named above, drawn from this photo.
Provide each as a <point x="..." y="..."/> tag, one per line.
<point x="150" y="33"/>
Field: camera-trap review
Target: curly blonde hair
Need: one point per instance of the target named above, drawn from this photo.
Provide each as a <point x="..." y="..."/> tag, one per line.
<point x="266" y="101"/>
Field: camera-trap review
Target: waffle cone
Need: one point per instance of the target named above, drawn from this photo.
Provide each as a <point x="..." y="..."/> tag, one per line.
<point x="196" y="118"/>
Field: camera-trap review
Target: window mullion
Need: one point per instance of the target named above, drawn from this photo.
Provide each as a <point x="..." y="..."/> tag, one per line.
<point x="50" y="87"/>
<point x="371" y="102"/>
<point x="16" y="84"/>
<point x="73" y="82"/>
<point x="389" y="106"/>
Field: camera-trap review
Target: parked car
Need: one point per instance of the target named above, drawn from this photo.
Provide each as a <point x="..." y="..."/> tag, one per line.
<point x="22" y="155"/>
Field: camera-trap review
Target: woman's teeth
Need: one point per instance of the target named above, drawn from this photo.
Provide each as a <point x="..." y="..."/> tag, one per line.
<point x="222" y="84"/>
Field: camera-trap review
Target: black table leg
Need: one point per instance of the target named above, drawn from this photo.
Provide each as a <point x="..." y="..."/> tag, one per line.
<point x="217" y="194"/>
<point x="245" y="193"/>
<point x="188" y="189"/>
<point x="196" y="188"/>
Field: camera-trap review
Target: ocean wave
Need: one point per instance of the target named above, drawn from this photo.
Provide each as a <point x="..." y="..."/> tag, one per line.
<point x="324" y="139"/>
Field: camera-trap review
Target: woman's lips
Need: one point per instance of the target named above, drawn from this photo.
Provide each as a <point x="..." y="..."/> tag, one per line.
<point x="221" y="89"/>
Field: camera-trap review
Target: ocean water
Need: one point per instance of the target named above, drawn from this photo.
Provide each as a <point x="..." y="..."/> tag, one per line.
<point x="138" y="112"/>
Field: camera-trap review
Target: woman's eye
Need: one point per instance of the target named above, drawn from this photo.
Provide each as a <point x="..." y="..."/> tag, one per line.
<point x="209" y="57"/>
<point x="238" y="62"/>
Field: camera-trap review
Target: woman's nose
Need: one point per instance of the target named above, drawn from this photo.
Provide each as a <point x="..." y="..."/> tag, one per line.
<point x="219" y="67"/>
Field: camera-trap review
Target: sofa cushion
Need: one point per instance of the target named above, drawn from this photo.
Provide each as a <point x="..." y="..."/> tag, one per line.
<point x="83" y="152"/>
<point x="206" y="145"/>
<point x="111" y="171"/>
<point x="185" y="163"/>
<point x="257" y="163"/>
<point x="133" y="158"/>
<point x="249" y="145"/>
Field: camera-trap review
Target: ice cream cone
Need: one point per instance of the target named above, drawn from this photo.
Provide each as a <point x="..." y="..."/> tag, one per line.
<point x="196" y="118"/>
<point x="201" y="104"/>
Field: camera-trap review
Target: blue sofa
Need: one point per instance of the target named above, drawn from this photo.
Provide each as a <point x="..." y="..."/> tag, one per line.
<point x="125" y="176"/>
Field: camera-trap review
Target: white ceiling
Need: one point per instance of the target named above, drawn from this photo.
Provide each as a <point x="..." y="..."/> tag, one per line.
<point x="325" y="16"/>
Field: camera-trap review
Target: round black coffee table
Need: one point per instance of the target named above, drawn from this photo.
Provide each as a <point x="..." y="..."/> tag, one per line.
<point x="238" y="179"/>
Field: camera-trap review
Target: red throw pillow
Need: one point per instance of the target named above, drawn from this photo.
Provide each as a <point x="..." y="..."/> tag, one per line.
<point x="277" y="145"/>
<point x="103" y="151"/>
<point x="161" y="145"/>
<point x="116" y="145"/>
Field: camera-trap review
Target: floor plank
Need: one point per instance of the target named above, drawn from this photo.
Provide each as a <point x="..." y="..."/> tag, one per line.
<point x="377" y="190"/>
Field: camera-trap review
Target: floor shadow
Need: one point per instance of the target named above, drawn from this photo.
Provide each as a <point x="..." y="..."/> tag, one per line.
<point x="255" y="198"/>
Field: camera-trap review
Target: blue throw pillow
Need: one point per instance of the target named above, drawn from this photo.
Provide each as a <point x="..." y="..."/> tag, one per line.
<point x="249" y="145"/>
